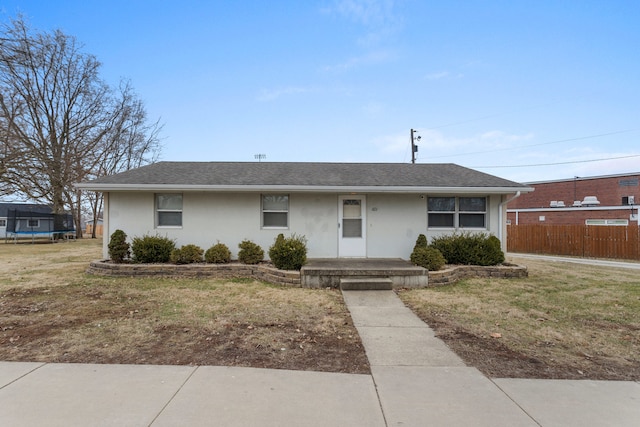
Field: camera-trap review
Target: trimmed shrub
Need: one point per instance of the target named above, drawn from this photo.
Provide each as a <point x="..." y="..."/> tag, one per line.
<point x="187" y="254"/>
<point x="289" y="253"/>
<point x="493" y="254"/>
<point x="218" y="254"/>
<point x="428" y="257"/>
<point x="421" y="242"/>
<point x="250" y="253"/>
<point x="119" y="248"/>
<point x="150" y="249"/>
<point x="469" y="249"/>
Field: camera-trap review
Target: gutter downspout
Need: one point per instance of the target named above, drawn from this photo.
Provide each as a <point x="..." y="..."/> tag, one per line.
<point x="500" y="219"/>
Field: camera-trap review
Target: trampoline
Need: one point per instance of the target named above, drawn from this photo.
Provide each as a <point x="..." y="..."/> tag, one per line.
<point x="23" y="224"/>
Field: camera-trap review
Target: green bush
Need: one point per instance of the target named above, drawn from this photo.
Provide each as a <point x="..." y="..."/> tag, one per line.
<point x="250" y="253"/>
<point x="469" y="249"/>
<point x="493" y="254"/>
<point x="119" y="248"/>
<point x="187" y="254"/>
<point x="218" y="254"/>
<point x="150" y="249"/>
<point x="289" y="253"/>
<point x="428" y="257"/>
<point x="421" y="242"/>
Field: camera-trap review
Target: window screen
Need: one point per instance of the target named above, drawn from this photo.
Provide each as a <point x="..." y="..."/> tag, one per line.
<point x="457" y="212"/>
<point x="169" y="210"/>
<point x="441" y="212"/>
<point x="275" y="210"/>
<point x="351" y="218"/>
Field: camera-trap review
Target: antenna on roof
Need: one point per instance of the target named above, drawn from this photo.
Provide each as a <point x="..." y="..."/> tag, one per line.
<point x="259" y="157"/>
<point x="414" y="147"/>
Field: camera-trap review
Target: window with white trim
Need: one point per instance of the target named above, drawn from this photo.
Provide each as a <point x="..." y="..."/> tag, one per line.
<point x="33" y="223"/>
<point x="169" y="210"/>
<point x="472" y="212"/>
<point x="275" y="210"/>
<point x="3" y="222"/>
<point x="442" y="212"/>
<point x="457" y="212"/>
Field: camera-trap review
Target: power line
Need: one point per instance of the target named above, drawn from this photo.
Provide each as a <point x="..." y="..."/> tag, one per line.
<point x="554" y="164"/>
<point x="462" y="122"/>
<point x="536" y="145"/>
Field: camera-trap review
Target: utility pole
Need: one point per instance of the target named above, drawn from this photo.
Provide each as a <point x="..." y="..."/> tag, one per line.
<point x="414" y="147"/>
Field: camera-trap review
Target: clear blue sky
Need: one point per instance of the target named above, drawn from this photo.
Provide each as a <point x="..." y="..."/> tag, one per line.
<point x="487" y="83"/>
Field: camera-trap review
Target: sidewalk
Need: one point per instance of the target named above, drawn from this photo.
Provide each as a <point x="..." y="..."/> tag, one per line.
<point x="416" y="381"/>
<point x="421" y="382"/>
<point x="630" y="264"/>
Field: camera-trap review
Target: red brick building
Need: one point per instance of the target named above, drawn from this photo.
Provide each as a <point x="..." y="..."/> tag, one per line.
<point x="598" y="200"/>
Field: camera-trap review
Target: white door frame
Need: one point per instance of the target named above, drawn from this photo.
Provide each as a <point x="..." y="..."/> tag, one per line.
<point x="354" y="246"/>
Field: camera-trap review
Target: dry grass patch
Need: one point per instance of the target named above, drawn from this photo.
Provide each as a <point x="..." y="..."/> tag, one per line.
<point x="563" y="321"/>
<point x="32" y="265"/>
<point x="51" y="311"/>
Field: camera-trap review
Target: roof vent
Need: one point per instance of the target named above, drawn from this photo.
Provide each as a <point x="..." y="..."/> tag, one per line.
<point x="560" y="204"/>
<point x="577" y="203"/>
<point x="553" y="203"/>
<point x="590" y="201"/>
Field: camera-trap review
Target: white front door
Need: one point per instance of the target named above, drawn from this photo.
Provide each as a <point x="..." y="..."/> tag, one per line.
<point x="352" y="226"/>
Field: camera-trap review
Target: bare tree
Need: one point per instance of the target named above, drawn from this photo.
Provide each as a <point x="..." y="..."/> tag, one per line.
<point x="8" y="148"/>
<point x="130" y="143"/>
<point x="60" y="123"/>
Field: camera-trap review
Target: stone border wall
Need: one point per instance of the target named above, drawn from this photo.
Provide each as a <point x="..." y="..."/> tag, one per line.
<point x="455" y="273"/>
<point x="267" y="273"/>
<point x="221" y="271"/>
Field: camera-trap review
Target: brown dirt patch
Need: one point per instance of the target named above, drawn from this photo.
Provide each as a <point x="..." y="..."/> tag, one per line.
<point x="494" y="358"/>
<point x="85" y="325"/>
<point x="564" y="321"/>
<point x="50" y="311"/>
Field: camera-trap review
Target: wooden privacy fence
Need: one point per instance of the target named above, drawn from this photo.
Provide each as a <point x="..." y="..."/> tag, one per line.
<point x="589" y="241"/>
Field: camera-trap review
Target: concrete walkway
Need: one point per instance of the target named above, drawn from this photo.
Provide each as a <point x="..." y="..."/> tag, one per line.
<point x="630" y="264"/>
<point x="416" y="381"/>
<point x="421" y="382"/>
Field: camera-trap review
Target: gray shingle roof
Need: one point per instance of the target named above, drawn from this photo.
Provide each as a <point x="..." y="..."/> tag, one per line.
<point x="313" y="175"/>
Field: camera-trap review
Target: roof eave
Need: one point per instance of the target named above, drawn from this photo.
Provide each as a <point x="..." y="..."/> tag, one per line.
<point x="301" y="188"/>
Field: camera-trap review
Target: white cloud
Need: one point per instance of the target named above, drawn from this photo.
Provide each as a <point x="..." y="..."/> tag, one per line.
<point x="366" y="12"/>
<point x="502" y="138"/>
<point x="360" y="61"/>
<point x="397" y="147"/>
<point x="374" y="108"/>
<point x="443" y="75"/>
<point x="377" y="16"/>
<point x="436" y="146"/>
<point x="267" y="95"/>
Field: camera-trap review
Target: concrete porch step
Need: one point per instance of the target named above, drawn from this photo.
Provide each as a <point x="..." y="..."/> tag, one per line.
<point x="366" y="283"/>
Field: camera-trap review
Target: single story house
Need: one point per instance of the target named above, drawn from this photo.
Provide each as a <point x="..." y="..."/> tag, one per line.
<point x="362" y="210"/>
